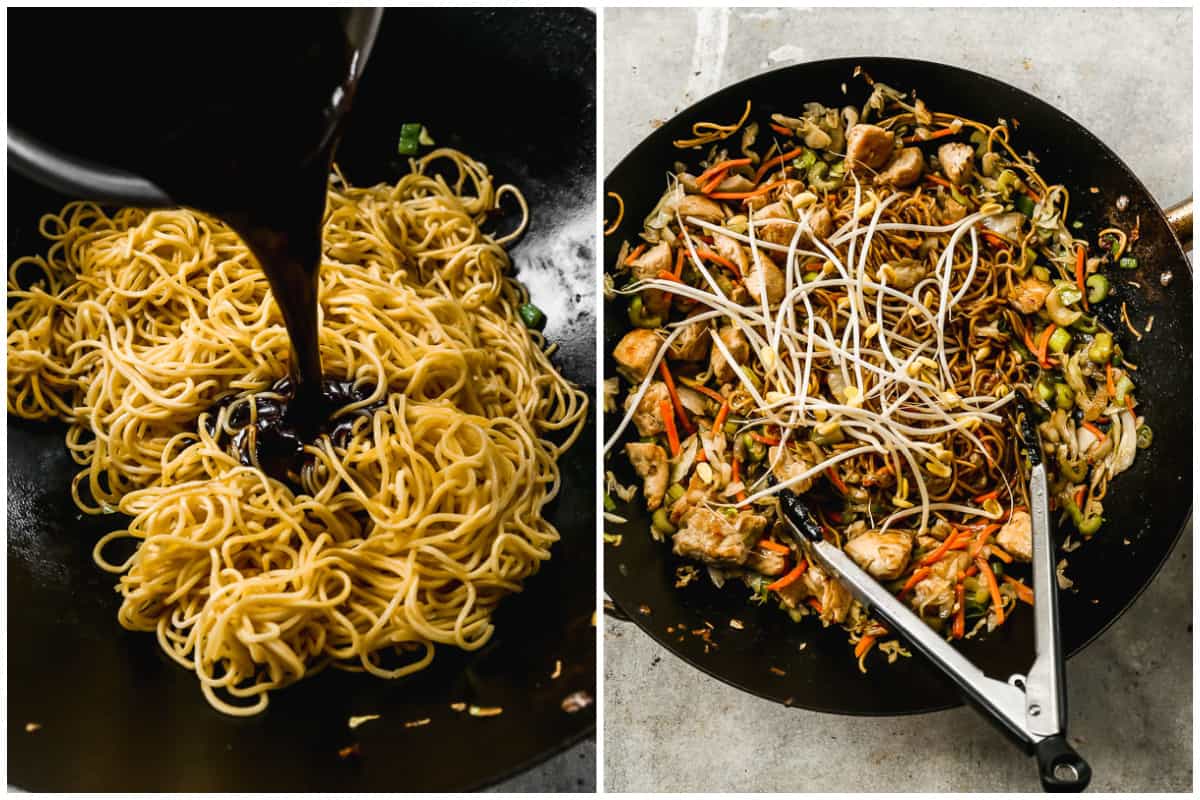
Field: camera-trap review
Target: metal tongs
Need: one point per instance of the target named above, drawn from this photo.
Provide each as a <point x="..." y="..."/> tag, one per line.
<point x="1032" y="708"/>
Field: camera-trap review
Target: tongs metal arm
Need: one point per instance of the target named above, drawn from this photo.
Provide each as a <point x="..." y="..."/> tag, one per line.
<point x="1008" y="705"/>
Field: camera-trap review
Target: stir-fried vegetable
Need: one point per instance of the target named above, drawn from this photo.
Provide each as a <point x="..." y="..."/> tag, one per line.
<point x="847" y="311"/>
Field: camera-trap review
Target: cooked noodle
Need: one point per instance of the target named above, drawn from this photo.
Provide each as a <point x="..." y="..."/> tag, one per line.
<point x="406" y="533"/>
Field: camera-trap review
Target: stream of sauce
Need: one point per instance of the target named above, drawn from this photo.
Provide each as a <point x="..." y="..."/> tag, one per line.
<point x="238" y="118"/>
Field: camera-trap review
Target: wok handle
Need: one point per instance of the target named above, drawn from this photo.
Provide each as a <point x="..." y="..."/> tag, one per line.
<point x="1179" y="217"/>
<point x="1061" y="768"/>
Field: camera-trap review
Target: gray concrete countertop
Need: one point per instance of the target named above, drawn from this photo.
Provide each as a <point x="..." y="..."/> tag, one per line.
<point x="1126" y="76"/>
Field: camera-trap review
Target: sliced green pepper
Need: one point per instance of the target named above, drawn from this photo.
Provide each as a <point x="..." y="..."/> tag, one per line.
<point x="1085" y="525"/>
<point x="532" y="316"/>
<point x="661" y="522"/>
<point x="1145" y="437"/>
<point x="410" y="139"/>
<point x="1060" y="340"/>
<point x="638" y="316"/>
<point x="1128" y="262"/>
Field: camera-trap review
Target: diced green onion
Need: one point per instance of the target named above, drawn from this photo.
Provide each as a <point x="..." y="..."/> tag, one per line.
<point x="609" y="504"/>
<point x="1097" y="288"/>
<point x="638" y="316"/>
<point x="998" y="569"/>
<point x="1069" y="293"/>
<point x="730" y="428"/>
<point x="532" y="316"/>
<point x="1085" y="324"/>
<point x="1128" y="262"/>
<point x="1041" y="273"/>
<point x="661" y="522"/>
<point x="675" y="492"/>
<point x="809" y="277"/>
<point x="410" y="138"/>
<point x="1060" y="340"/>
<point x="1064" y="396"/>
<point x="1101" y="349"/>
<point x="1145" y="437"/>
<point x="1076" y="224"/>
<point x="1024" y="204"/>
<point x="1124" y="387"/>
<point x="1045" y="390"/>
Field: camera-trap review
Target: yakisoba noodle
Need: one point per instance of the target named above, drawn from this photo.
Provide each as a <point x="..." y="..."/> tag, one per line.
<point x="406" y="533"/>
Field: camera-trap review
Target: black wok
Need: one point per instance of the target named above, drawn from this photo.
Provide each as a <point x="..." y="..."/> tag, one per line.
<point x="115" y="714"/>
<point x="1147" y="506"/>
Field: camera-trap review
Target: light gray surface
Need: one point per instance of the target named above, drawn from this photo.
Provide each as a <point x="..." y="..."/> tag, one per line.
<point x="1126" y="76"/>
<point x="570" y="771"/>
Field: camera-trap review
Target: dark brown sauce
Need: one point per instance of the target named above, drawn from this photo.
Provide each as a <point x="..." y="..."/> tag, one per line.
<point x="238" y="116"/>
<point x="273" y="438"/>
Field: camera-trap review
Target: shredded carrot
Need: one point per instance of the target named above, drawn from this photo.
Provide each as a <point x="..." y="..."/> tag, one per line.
<point x="864" y="646"/>
<point x="939" y="181"/>
<point x="781" y="130"/>
<point x="721" y="415"/>
<point x="714" y="182"/>
<point x="774" y="546"/>
<point x="1043" y="343"/>
<point x="914" y="139"/>
<point x="1079" y="262"/>
<point x="814" y="604"/>
<point x="670" y="382"/>
<point x="637" y="251"/>
<point x="1000" y="553"/>
<point x="723" y="166"/>
<point x="951" y="542"/>
<point x="918" y="576"/>
<point x="1112" y="389"/>
<point x="768" y="440"/>
<point x="1079" y="494"/>
<point x="993" y="587"/>
<point x="669" y="276"/>
<point x="1129" y="405"/>
<point x="979" y="541"/>
<point x="790" y="578"/>
<point x="1099" y="434"/>
<point x="611" y="229"/>
<point x="1034" y="196"/>
<point x="983" y="498"/>
<point x="699" y="387"/>
<point x="836" y="480"/>
<point x="996" y="239"/>
<point x="1024" y="593"/>
<point x="971" y="571"/>
<point x="835" y="516"/>
<point x="777" y="160"/>
<point x="745" y="195"/>
<point x="668" y="416"/>
<point x="735" y="475"/>
<point x="724" y="262"/>
<point x="960" y="616"/>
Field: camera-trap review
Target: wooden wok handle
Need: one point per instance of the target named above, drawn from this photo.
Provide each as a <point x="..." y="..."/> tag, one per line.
<point x="1179" y="217"/>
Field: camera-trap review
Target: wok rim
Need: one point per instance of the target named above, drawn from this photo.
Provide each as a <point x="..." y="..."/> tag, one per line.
<point x="1137" y="187"/>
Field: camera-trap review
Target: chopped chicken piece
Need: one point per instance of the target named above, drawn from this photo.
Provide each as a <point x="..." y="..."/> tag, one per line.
<point x="951" y="210"/>
<point x="933" y="596"/>
<point x="765" y="277"/>
<point x="821" y="222"/>
<point x="1029" y="294"/>
<point x="958" y="161"/>
<point x="715" y="539"/>
<point x="692" y="344"/>
<point x="868" y="145"/>
<point x="905" y="273"/>
<point x="767" y="562"/>
<point x="636" y="350"/>
<point x="655" y="260"/>
<point x="648" y="416"/>
<point x="692" y="499"/>
<point x="729" y="248"/>
<point x="883" y="555"/>
<point x="904" y="169"/>
<point x="739" y="348"/>
<point x="835" y="600"/>
<point x="694" y="205"/>
<point x="787" y="465"/>
<point x="735" y="183"/>
<point x="774" y="232"/>
<point x="1016" y="537"/>
<point x="650" y="462"/>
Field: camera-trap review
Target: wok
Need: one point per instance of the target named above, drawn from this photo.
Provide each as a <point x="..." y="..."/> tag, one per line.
<point x="117" y="715"/>
<point x="1147" y="505"/>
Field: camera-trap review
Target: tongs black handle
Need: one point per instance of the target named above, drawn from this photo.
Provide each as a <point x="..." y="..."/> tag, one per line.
<point x="1060" y="767"/>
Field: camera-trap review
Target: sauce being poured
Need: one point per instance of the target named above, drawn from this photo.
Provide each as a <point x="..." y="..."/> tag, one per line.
<point x="237" y="115"/>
